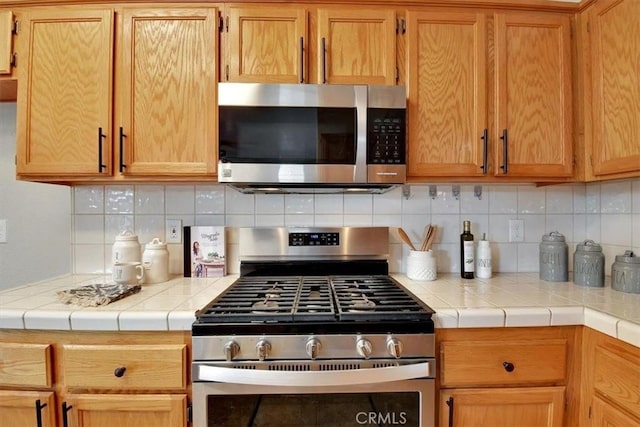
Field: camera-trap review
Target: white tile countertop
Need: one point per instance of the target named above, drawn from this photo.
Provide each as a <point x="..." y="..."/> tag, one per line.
<point x="506" y="300"/>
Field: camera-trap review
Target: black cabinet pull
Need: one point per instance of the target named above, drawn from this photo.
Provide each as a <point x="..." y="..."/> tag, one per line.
<point x="119" y="372"/>
<point x="324" y="60"/>
<point x="122" y="137"/>
<point x="485" y="152"/>
<point x="450" y="405"/>
<point x="65" y="418"/>
<point x="101" y="165"/>
<point x="301" y="59"/>
<point x="39" y="407"/>
<point x="508" y="366"/>
<point x="505" y="152"/>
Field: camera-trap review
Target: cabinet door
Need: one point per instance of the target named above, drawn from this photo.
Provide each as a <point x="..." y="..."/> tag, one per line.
<point x="533" y="136"/>
<point x="605" y="415"/>
<point x="266" y="45"/>
<point x="502" y="407"/>
<point x="25" y="408"/>
<point x="166" y="92"/>
<point x="615" y="38"/>
<point x="357" y="46"/>
<point x="447" y="83"/>
<point x="64" y="98"/>
<point x="102" y="410"/>
<point x="6" y="36"/>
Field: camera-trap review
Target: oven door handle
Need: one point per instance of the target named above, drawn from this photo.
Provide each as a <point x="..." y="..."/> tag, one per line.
<point x="204" y="372"/>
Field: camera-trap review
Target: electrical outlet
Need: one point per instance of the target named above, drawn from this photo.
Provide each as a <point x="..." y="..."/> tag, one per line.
<point x="516" y="230"/>
<point x="174" y="231"/>
<point x="3" y="231"/>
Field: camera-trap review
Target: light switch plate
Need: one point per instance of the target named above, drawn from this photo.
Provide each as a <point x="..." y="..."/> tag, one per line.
<point x="3" y="231"/>
<point x="174" y="231"/>
<point x="516" y="230"/>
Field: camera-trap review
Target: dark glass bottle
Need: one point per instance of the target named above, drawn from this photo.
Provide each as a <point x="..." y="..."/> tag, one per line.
<point x="467" y="259"/>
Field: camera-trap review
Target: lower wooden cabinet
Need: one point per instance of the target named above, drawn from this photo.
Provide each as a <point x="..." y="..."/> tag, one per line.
<point x="27" y="408"/>
<point x="503" y="407"/>
<point x="604" y="414"/>
<point x="107" y="410"/>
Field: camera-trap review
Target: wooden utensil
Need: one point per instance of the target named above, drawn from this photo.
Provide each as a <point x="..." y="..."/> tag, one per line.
<point x="431" y="238"/>
<point x="405" y="238"/>
<point x="427" y="233"/>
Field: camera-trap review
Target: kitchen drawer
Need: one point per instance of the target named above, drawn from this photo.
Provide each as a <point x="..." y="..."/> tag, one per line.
<point x="497" y="363"/>
<point x="25" y="365"/>
<point x="617" y="378"/>
<point x="127" y="367"/>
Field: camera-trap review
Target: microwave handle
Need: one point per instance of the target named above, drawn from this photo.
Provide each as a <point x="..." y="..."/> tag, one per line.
<point x="206" y="372"/>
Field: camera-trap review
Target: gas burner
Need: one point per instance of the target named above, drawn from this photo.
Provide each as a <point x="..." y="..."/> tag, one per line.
<point x="273" y="292"/>
<point x="266" y="304"/>
<point x="362" y="304"/>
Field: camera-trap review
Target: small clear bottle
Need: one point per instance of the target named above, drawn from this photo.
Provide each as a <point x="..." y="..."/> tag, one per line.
<point x="483" y="259"/>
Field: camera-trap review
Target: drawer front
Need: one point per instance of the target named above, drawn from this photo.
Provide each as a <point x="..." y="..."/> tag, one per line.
<point x="617" y="377"/>
<point x="127" y="367"/>
<point x="487" y="363"/>
<point x="25" y="365"/>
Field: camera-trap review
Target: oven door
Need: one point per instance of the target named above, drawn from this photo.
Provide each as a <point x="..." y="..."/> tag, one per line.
<point x="389" y="396"/>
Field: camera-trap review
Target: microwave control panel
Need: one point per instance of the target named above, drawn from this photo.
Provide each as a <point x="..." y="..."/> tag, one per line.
<point x="314" y="239"/>
<point x="386" y="136"/>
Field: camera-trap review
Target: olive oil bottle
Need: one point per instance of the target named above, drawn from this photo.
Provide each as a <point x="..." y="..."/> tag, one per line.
<point x="467" y="259"/>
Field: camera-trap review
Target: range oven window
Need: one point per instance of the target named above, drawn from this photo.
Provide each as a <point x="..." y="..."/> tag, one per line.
<point x="315" y="410"/>
<point x="296" y="135"/>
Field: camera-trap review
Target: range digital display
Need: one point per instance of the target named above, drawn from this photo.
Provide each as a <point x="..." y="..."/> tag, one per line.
<point x="314" y="239"/>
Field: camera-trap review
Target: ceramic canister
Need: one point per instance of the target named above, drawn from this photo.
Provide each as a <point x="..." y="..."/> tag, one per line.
<point x="625" y="273"/>
<point x="588" y="264"/>
<point x="155" y="260"/>
<point x="126" y="248"/>
<point x="554" y="254"/>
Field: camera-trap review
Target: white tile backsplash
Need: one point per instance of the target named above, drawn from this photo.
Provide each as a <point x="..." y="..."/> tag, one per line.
<point x="101" y="212"/>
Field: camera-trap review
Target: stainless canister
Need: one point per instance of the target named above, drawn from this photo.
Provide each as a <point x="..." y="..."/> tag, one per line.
<point x="625" y="273"/>
<point x="554" y="255"/>
<point x="588" y="264"/>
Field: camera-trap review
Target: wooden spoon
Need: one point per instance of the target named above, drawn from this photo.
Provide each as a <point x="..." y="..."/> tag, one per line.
<point x="431" y="238"/>
<point x="427" y="233"/>
<point x="405" y="238"/>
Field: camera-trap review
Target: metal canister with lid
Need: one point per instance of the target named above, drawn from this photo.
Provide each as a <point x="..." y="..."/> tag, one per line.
<point x="554" y="255"/>
<point x="588" y="264"/>
<point x="625" y="273"/>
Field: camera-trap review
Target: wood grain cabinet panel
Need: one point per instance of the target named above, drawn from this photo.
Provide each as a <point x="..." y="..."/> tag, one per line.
<point x="615" y="65"/>
<point x="65" y="100"/>
<point x="617" y="376"/>
<point x="25" y="365"/>
<point x="101" y="410"/>
<point x="125" y="367"/>
<point x="533" y="135"/>
<point x="166" y="92"/>
<point x="357" y="46"/>
<point x="607" y="415"/>
<point x="27" y="408"/>
<point x="447" y="79"/>
<point x="266" y="44"/>
<point x="6" y="41"/>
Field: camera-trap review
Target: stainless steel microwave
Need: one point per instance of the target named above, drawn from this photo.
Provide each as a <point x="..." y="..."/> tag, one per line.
<point x="296" y="136"/>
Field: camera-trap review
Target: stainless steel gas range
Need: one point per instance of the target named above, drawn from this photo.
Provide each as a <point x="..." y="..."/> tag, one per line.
<point x="314" y="333"/>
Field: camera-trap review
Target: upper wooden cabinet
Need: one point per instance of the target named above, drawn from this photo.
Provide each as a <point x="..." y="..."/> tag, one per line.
<point x="534" y="121"/>
<point x="449" y="73"/>
<point x="447" y="93"/>
<point x="164" y="88"/>
<point x="6" y="41"/>
<point x="614" y="36"/>
<point x="270" y="44"/>
<point x="65" y="101"/>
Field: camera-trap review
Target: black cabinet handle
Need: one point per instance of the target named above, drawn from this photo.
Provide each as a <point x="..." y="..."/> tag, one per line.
<point x="505" y="152"/>
<point x="508" y="366"/>
<point x="450" y="405"/>
<point x="122" y="137"/>
<point x="485" y="152"/>
<point x="65" y="418"/>
<point x="301" y="59"/>
<point x="39" y="407"/>
<point x="101" y="165"/>
<point x="119" y="372"/>
<point x="324" y="60"/>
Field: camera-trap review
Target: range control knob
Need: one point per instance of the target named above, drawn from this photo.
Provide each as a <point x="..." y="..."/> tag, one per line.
<point x="263" y="348"/>
<point x="313" y="347"/>
<point x="394" y="347"/>
<point x="364" y="348"/>
<point x="231" y="350"/>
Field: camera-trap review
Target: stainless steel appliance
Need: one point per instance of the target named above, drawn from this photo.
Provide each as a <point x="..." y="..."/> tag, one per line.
<point x="297" y="136"/>
<point x="314" y="332"/>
